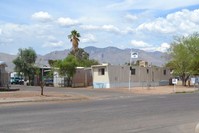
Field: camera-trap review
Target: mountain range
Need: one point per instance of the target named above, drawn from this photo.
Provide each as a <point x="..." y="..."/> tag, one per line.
<point x="110" y="55"/>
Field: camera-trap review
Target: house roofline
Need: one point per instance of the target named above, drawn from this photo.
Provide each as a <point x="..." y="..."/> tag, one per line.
<point x="3" y="63"/>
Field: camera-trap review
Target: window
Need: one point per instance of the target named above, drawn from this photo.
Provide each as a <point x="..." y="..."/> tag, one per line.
<point x="165" y="72"/>
<point x="147" y="71"/>
<point x="101" y="71"/>
<point x="132" y="71"/>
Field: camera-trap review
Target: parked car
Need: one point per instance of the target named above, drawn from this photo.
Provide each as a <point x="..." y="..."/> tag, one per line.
<point x="16" y="80"/>
<point x="48" y="82"/>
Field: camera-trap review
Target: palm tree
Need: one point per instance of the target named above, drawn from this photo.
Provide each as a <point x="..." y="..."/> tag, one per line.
<point x="74" y="38"/>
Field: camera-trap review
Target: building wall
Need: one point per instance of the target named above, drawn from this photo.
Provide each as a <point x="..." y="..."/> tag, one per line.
<point x="88" y="77"/>
<point x="82" y="78"/>
<point x="99" y="80"/>
<point x="118" y="76"/>
<point x="57" y="80"/>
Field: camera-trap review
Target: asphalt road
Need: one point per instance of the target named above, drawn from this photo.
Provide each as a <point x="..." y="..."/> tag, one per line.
<point x="176" y="113"/>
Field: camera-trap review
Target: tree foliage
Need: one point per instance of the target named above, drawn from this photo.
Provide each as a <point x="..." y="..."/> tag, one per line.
<point x="83" y="58"/>
<point x="67" y="67"/>
<point x="76" y="57"/>
<point x="184" y="53"/>
<point x="25" y="62"/>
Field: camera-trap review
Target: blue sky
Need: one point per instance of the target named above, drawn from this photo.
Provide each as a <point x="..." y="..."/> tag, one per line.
<point x="149" y="25"/>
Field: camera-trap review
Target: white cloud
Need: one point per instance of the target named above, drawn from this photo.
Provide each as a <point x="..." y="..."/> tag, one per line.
<point x="88" y="38"/>
<point x="51" y="41"/>
<point x="11" y="27"/>
<point x="163" y="47"/>
<point x="151" y="4"/>
<point x="131" y="17"/>
<point x="111" y="28"/>
<point x="54" y="44"/>
<point x="67" y="22"/>
<point x="184" y="21"/>
<point x="14" y="36"/>
<point x="5" y="41"/>
<point x="90" y="27"/>
<point x="9" y="32"/>
<point x="108" y="28"/>
<point x="160" y="25"/>
<point x="20" y="31"/>
<point x="129" y="30"/>
<point x="42" y="16"/>
<point x="139" y="44"/>
<point x="148" y="47"/>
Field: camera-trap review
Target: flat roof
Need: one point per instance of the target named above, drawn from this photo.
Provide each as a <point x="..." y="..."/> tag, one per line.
<point x="101" y="65"/>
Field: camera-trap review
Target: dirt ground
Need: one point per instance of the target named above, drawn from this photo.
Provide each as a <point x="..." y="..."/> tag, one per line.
<point x="36" y="96"/>
<point x="19" y="94"/>
<point x="160" y="89"/>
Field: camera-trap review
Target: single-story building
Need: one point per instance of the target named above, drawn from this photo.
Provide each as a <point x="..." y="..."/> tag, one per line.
<point x="82" y="78"/>
<point x="4" y="76"/>
<point x="112" y="76"/>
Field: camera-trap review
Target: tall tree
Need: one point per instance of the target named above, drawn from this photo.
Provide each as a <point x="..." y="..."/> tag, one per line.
<point x="83" y="58"/>
<point x="25" y="62"/>
<point x="192" y="45"/>
<point x="80" y="54"/>
<point x="74" y="38"/>
<point x="184" y="57"/>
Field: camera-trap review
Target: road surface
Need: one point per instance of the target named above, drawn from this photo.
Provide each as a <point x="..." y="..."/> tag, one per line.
<point x="175" y="113"/>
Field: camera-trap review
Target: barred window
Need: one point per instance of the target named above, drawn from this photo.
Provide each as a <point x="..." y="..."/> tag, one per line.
<point x="165" y="72"/>
<point x="101" y="71"/>
<point x="133" y="71"/>
<point x="147" y="71"/>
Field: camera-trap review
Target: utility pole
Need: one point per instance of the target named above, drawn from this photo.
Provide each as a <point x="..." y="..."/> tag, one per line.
<point x="134" y="55"/>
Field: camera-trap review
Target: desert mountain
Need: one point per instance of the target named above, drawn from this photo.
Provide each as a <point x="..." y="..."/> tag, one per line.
<point x="110" y="55"/>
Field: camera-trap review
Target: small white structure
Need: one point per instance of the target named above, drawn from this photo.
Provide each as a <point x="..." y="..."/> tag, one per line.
<point x="112" y="76"/>
<point x="4" y="76"/>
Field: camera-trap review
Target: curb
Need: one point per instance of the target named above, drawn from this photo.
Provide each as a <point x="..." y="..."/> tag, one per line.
<point x="23" y="100"/>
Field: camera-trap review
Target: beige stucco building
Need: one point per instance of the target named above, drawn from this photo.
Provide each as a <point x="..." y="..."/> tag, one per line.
<point x="112" y="76"/>
<point x="4" y="76"/>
